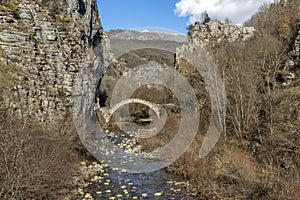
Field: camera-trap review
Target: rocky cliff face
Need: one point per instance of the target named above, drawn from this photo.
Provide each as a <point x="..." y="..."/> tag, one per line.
<point x="213" y="32"/>
<point x="208" y="35"/>
<point x="291" y="69"/>
<point x="42" y="46"/>
<point x="293" y="61"/>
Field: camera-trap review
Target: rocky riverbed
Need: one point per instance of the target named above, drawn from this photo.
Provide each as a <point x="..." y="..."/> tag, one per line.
<point x="99" y="181"/>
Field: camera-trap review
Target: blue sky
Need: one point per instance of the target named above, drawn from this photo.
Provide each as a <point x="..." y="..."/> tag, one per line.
<point x="172" y="14"/>
<point x="135" y="14"/>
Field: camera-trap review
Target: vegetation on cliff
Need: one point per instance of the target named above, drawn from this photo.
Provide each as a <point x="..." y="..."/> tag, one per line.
<point x="258" y="156"/>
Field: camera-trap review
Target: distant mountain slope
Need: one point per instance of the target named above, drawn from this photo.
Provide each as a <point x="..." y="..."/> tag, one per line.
<point x="122" y="40"/>
<point x="134" y="48"/>
<point x="147" y="34"/>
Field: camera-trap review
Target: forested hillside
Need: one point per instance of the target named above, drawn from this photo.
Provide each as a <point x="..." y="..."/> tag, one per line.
<point x="258" y="156"/>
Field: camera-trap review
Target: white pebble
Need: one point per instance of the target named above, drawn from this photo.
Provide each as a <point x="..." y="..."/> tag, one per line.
<point x="80" y="191"/>
<point x="158" y="194"/>
<point x="88" y="196"/>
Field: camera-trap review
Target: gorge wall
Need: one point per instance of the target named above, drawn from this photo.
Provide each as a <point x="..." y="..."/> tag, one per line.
<point x="42" y="47"/>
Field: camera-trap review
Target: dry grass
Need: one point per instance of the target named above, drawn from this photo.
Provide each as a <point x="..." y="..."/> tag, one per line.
<point x="230" y="172"/>
<point x="35" y="163"/>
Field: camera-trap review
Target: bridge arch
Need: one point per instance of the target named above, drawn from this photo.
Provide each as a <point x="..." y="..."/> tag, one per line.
<point x="107" y="112"/>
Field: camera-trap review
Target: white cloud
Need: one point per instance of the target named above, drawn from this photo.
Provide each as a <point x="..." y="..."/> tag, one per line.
<point x="236" y="10"/>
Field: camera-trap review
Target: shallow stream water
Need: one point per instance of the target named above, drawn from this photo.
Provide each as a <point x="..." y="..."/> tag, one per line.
<point x="155" y="185"/>
<point x="112" y="183"/>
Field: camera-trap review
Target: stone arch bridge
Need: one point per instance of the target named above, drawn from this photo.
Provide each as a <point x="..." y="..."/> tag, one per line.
<point x="107" y="112"/>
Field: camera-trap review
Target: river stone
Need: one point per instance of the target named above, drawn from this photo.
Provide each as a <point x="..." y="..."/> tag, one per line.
<point x="158" y="194"/>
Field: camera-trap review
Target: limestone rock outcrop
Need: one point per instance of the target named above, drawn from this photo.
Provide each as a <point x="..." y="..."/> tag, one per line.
<point x="293" y="61"/>
<point x="213" y="32"/>
<point x="291" y="68"/>
<point x="42" y="47"/>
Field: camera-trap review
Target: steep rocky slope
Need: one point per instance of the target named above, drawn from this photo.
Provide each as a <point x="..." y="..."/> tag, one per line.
<point x="262" y="123"/>
<point x="217" y="32"/>
<point x="209" y="35"/>
<point x="291" y="68"/>
<point x="42" y="47"/>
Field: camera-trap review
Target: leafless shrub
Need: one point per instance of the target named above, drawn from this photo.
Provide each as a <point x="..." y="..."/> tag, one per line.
<point x="258" y="156"/>
<point x="35" y="163"/>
